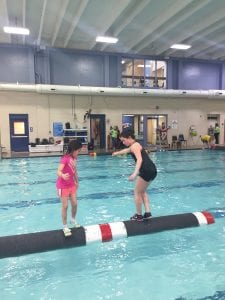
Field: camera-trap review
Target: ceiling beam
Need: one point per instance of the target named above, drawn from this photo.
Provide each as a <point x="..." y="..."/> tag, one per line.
<point x="213" y="44"/>
<point x="62" y="12"/>
<point x="4" y="20"/>
<point x="111" y="19"/>
<point x="75" y="20"/>
<point x="179" y="19"/>
<point x="42" y="21"/>
<point x="219" y="54"/>
<point x="155" y="23"/>
<point x="127" y="20"/>
<point x="196" y="28"/>
<point x="202" y="36"/>
<point x="215" y="47"/>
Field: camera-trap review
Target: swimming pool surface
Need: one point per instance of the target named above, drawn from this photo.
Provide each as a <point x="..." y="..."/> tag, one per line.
<point x="182" y="264"/>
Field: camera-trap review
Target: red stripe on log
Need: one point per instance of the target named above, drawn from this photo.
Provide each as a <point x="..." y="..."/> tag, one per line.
<point x="209" y="217"/>
<point x="106" y="232"/>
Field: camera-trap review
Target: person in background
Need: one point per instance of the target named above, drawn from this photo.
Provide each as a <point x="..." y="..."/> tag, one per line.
<point x="208" y="141"/>
<point x="113" y="133"/>
<point x="163" y="132"/>
<point x="217" y="133"/>
<point x="118" y="142"/>
<point x="211" y="130"/>
<point x="67" y="184"/>
<point x="145" y="171"/>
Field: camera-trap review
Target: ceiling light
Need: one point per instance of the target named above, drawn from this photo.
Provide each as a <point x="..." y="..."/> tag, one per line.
<point x="106" y="39"/>
<point x="180" y="46"/>
<point x="16" y="30"/>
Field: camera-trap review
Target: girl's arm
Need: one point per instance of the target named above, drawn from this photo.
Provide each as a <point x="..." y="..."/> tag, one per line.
<point x="123" y="151"/>
<point x="60" y="173"/>
<point x="136" y="149"/>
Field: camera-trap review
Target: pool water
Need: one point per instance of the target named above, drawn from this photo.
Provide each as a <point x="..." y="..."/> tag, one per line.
<point x="181" y="264"/>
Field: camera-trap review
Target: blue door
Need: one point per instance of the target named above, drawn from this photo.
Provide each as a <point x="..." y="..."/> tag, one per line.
<point x="19" y="132"/>
<point x="97" y="130"/>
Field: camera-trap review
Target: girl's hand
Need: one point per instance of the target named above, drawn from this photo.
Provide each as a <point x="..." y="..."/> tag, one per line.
<point x="132" y="177"/>
<point x="114" y="153"/>
<point x="65" y="176"/>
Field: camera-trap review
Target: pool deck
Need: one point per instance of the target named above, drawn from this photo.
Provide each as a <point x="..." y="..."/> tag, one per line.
<point x="98" y="152"/>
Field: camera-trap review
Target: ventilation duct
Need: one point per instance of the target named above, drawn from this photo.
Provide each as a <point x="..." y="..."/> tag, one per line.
<point x="109" y="91"/>
<point x="216" y="93"/>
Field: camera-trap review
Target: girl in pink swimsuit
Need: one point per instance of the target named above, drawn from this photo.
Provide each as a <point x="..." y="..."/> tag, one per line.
<point x="67" y="183"/>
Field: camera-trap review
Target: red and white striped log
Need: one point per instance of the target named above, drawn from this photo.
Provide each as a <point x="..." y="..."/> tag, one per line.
<point x="16" y="245"/>
<point x="111" y="231"/>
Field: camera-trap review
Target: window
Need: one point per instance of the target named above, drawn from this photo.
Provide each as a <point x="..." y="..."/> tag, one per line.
<point x="160" y="73"/>
<point x="127" y="72"/>
<point x="149" y="73"/>
<point x="143" y="73"/>
<point x="18" y="128"/>
<point x="140" y="124"/>
<point x="139" y="79"/>
<point x="134" y="122"/>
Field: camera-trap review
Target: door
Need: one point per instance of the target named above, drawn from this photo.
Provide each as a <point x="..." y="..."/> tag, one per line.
<point x="223" y="135"/>
<point x="97" y="130"/>
<point x="19" y="132"/>
<point x="151" y="130"/>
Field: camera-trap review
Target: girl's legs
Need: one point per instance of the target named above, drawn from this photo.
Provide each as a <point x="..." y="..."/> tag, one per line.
<point x="64" y="201"/>
<point x="141" y="196"/>
<point x="146" y="202"/>
<point x="73" y="200"/>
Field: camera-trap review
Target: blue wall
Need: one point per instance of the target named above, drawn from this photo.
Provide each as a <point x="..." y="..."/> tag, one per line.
<point x="114" y="76"/>
<point x="223" y="77"/>
<point x="16" y="64"/>
<point x="172" y="74"/>
<point x="199" y="75"/>
<point x="26" y="64"/>
<point x="42" y="67"/>
<point x="69" y="69"/>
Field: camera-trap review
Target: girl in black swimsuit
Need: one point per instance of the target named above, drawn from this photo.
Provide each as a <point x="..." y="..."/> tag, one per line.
<point x="144" y="169"/>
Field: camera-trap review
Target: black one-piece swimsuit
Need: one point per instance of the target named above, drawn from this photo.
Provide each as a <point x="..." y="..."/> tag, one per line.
<point x="148" y="170"/>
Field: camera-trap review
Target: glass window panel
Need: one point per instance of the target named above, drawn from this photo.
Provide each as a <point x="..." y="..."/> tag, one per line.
<point x="19" y="127"/>
<point x="162" y="119"/>
<point x="143" y="73"/>
<point x="127" y="72"/>
<point x="139" y="67"/>
<point x="136" y="125"/>
<point x="161" y="74"/>
<point x="149" y="73"/>
<point x="162" y="83"/>
<point x="127" y="121"/>
<point x="141" y="124"/>
<point x="161" y="68"/>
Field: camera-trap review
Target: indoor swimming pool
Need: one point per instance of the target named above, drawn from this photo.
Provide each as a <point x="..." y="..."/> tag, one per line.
<point x="184" y="264"/>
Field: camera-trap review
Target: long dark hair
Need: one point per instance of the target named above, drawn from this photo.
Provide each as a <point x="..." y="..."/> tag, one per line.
<point x="126" y="133"/>
<point x="73" y="145"/>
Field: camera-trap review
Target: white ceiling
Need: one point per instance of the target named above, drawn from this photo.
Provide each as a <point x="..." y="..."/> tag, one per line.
<point x="147" y="27"/>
